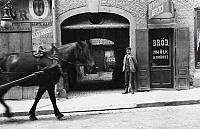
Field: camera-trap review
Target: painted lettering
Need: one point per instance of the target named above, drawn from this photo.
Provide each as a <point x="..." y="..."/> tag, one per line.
<point x="42" y="32"/>
<point x="157" y="10"/>
<point x="162" y="42"/>
<point x="158" y="42"/>
<point x="161" y="57"/>
<point x="154" y="43"/>
<point x="166" y="42"/>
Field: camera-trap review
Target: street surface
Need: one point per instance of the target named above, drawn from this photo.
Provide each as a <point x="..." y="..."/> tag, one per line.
<point x="174" y="117"/>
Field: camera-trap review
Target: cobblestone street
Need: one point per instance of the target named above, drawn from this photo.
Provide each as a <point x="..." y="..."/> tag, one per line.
<point x="177" y="117"/>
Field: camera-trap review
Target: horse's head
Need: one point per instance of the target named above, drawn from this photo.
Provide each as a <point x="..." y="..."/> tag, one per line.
<point x="82" y="53"/>
<point x="74" y="53"/>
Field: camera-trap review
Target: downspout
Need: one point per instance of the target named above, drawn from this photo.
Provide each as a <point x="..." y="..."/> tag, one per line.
<point x="54" y="36"/>
<point x="54" y="22"/>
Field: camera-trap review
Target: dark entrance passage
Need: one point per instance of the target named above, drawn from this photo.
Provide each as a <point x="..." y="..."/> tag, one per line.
<point x="108" y="36"/>
<point x="161" y="58"/>
<point x="107" y="47"/>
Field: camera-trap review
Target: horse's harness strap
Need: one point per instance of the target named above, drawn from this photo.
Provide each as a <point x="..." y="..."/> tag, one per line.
<point x="38" y="63"/>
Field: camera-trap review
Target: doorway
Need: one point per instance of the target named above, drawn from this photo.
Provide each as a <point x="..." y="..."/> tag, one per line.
<point x="107" y="35"/>
<point x="107" y="49"/>
<point x="161" y="57"/>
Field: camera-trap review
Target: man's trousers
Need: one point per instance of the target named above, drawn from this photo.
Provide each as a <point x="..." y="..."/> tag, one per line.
<point x="129" y="80"/>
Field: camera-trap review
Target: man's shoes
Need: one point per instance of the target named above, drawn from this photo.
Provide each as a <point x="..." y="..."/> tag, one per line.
<point x="125" y="92"/>
<point x="132" y="91"/>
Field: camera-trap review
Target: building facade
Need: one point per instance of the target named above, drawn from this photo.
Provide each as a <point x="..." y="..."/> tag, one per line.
<point x="163" y="34"/>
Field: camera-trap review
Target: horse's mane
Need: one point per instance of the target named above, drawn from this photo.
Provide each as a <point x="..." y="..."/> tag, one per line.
<point x="75" y="49"/>
<point x="63" y="47"/>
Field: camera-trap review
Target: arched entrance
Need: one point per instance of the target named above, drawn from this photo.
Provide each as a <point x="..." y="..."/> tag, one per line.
<point x="108" y="36"/>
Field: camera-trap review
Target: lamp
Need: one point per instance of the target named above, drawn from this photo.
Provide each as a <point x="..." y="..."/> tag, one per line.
<point x="6" y="19"/>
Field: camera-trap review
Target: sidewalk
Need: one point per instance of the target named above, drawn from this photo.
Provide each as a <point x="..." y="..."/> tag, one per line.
<point x="108" y="100"/>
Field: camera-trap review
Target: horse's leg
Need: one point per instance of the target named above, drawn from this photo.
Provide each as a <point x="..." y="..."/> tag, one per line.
<point x="2" y="93"/>
<point x="32" y="115"/>
<point x="51" y="93"/>
<point x="7" y="112"/>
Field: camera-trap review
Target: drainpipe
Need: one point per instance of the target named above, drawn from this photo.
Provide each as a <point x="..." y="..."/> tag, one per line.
<point x="54" y="22"/>
<point x="54" y="35"/>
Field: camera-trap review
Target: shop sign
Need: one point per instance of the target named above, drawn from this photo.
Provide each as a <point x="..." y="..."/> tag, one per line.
<point x="101" y="42"/>
<point x="42" y="32"/>
<point x="42" y="36"/>
<point x="160" y="9"/>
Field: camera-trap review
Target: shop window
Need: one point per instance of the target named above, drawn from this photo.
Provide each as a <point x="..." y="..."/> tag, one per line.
<point x="160" y="44"/>
<point x="160" y="52"/>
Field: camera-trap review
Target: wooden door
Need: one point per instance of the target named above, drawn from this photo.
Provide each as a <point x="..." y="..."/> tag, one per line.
<point x="182" y="58"/>
<point x="3" y="43"/>
<point x="16" y="42"/>
<point x="142" y="54"/>
<point x="26" y="41"/>
<point x="161" y="62"/>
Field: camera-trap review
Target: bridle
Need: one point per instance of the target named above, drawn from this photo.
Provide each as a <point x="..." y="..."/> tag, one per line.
<point x="59" y="57"/>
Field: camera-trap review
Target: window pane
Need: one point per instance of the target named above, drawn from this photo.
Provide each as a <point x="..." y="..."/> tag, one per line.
<point x="160" y="47"/>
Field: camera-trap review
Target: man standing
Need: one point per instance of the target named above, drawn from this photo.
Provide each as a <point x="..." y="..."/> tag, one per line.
<point x="129" y="69"/>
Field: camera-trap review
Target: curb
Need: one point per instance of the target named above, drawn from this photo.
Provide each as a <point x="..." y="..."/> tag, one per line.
<point x="143" y="105"/>
<point x="172" y="103"/>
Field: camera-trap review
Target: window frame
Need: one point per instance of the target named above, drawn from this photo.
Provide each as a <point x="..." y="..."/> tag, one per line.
<point x="196" y="19"/>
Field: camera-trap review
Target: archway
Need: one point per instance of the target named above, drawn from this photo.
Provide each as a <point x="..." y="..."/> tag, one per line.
<point x="106" y="33"/>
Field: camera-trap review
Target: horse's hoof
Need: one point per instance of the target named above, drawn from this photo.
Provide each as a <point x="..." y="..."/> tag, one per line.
<point x="8" y="114"/>
<point x="33" y="118"/>
<point x="59" y="116"/>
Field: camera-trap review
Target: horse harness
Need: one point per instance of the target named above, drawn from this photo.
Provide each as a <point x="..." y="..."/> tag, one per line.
<point x="55" y="61"/>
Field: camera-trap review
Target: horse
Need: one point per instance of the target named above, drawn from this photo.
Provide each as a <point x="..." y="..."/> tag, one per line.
<point x="18" y="65"/>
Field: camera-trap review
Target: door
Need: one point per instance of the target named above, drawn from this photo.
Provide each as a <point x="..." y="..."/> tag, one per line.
<point x="3" y="43"/>
<point x="16" y="42"/>
<point x="161" y="62"/>
<point x="142" y="53"/>
<point x="182" y="53"/>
